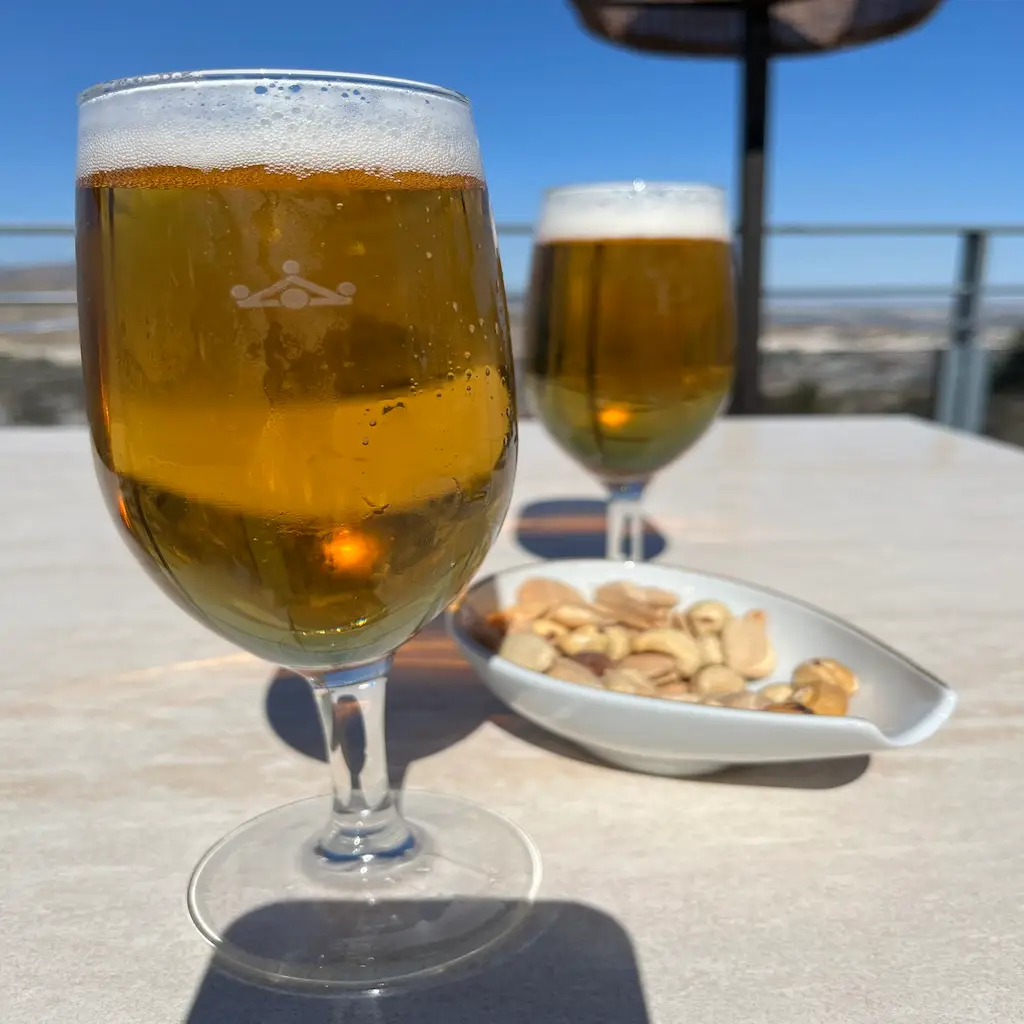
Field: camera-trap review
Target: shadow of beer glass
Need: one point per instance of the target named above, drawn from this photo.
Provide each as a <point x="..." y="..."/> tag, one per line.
<point x="567" y="963"/>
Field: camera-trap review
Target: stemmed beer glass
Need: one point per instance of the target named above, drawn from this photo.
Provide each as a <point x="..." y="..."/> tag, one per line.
<point x="630" y="332"/>
<point x="296" y="352"/>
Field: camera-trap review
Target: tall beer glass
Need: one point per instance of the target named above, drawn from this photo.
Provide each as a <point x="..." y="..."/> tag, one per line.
<point x="630" y="332"/>
<point x="296" y="352"/>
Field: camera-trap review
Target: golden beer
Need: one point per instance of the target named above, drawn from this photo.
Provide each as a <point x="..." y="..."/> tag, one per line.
<point x="630" y="328"/>
<point x="300" y="393"/>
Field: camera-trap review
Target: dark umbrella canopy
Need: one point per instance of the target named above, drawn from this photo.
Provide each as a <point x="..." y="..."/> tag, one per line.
<point x="716" y="28"/>
<point x="754" y="30"/>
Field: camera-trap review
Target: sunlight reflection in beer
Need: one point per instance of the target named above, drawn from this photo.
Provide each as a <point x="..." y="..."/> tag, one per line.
<point x="351" y="552"/>
<point x="614" y="416"/>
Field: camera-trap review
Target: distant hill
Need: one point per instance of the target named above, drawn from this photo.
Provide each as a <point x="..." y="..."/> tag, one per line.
<point x="47" y="277"/>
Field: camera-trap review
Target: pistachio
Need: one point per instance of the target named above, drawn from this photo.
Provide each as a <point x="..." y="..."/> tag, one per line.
<point x="822" y="698"/>
<point x="528" y="651"/>
<point x="620" y="642"/>
<point x="746" y="646"/>
<point x="571" y="671"/>
<point x="710" y="649"/>
<point x="708" y="618"/>
<point x="658" y="668"/>
<point x="626" y="680"/>
<point x="586" y="638"/>
<point x="717" y="679"/>
<point x="749" y="700"/>
<point x="547" y="592"/>
<point x="826" y="670"/>
<point x="776" y="693"/>
<point x="548" y="629"/>
<point x="789" y="707"/>
<point x="575" y="615"/>
<point x="680" y="646"/>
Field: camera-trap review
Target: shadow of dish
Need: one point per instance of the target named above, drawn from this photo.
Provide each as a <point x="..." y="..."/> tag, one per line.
<point x="566" y="963"/>
<point x="573" y="528"/>
<point x="823" y="773"/>
<point x="433" y="701"/>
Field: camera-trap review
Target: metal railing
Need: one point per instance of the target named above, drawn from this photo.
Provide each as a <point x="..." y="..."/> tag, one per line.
<point x="964" y="371"/>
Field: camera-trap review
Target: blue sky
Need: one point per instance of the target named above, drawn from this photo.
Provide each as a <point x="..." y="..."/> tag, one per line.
<point x="927" y="127"/>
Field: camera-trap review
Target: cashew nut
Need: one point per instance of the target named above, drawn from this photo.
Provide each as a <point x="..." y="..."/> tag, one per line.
<point x="708" y="617"/>
<point x="717" y="679"/>
<point x="680" y="646"/>
<point x="746" y="645"/>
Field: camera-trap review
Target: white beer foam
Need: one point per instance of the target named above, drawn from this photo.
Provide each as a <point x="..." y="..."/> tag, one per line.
<point x="633" y="210"/>
<point x="285" y="123"/>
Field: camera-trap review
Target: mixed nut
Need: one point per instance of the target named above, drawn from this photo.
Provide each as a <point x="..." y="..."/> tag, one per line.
<point x="633" y="639"/>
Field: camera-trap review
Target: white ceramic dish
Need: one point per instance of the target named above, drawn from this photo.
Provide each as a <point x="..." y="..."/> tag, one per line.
<point x="897" y="705"/>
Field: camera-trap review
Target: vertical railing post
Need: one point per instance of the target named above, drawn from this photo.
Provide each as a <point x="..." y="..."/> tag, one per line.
<point x="746" y="395"/>
<point x="962" y="386"/>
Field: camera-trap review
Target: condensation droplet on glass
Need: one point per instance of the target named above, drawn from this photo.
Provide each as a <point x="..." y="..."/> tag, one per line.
<point x="387" y="199"/>
<point x="455" y="307"/>
<point x="469" y="375"/>
<point x="451" y="376"/>
<point x="472" y="329"/>
<point x="469" y="387"/>
<point x="467" y="355"/>
<point x="440" y="394"/>
<point x="366" y="440"/>
<point x="373" y="423"/>
<point x="429" y="255"/>
<point x="487" y="371"/>
<point x="260" y="89"/>
<point x="480" y="321"/>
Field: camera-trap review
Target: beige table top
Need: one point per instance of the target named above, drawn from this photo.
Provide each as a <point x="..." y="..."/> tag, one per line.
<point x="849" y="892"/>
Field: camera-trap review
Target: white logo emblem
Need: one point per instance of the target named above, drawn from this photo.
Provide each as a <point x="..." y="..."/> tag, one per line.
<point x="293" y="292"/>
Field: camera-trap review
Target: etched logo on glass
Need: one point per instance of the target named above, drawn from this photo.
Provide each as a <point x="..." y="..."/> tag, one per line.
<point x="293" y="292"/>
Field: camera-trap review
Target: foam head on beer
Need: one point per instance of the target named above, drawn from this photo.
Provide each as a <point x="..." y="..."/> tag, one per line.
<point x="634" y="210"/>
<point x="288" y="125"/>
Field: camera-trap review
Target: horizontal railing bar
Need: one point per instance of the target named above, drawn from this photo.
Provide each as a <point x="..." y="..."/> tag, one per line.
<point x="40" y="298"/>
<point x="523" y="228"/>
<point x="65" y="298"/>
<point x="37" y="229"/>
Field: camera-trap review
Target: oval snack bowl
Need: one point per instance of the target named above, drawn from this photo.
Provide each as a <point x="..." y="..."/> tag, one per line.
<point x="898" y="703"/>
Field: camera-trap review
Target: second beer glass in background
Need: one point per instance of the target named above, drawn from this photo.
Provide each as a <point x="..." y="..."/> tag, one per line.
<point x="630" y="332"/>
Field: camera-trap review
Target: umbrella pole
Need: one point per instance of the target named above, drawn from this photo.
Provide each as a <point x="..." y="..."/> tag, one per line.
<point x="746" y="399"/>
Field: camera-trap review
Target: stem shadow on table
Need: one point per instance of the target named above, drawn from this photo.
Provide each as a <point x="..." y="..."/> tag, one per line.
<point x="573" y="528"/>
<point x="823" y="773"/>
<point x="568" y="963"/>
<point x="433" y="701"/>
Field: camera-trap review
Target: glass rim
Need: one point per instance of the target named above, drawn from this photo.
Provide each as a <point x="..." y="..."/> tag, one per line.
<point x="151" y="81"/>
<point x="637" y="186"/>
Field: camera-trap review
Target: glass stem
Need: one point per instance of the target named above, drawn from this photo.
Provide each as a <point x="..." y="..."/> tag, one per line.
<point x="365" y="823"/>
<point x="625" y="521"/>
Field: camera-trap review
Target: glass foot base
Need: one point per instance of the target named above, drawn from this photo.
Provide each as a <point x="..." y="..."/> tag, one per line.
<point x="278" y="913"/>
